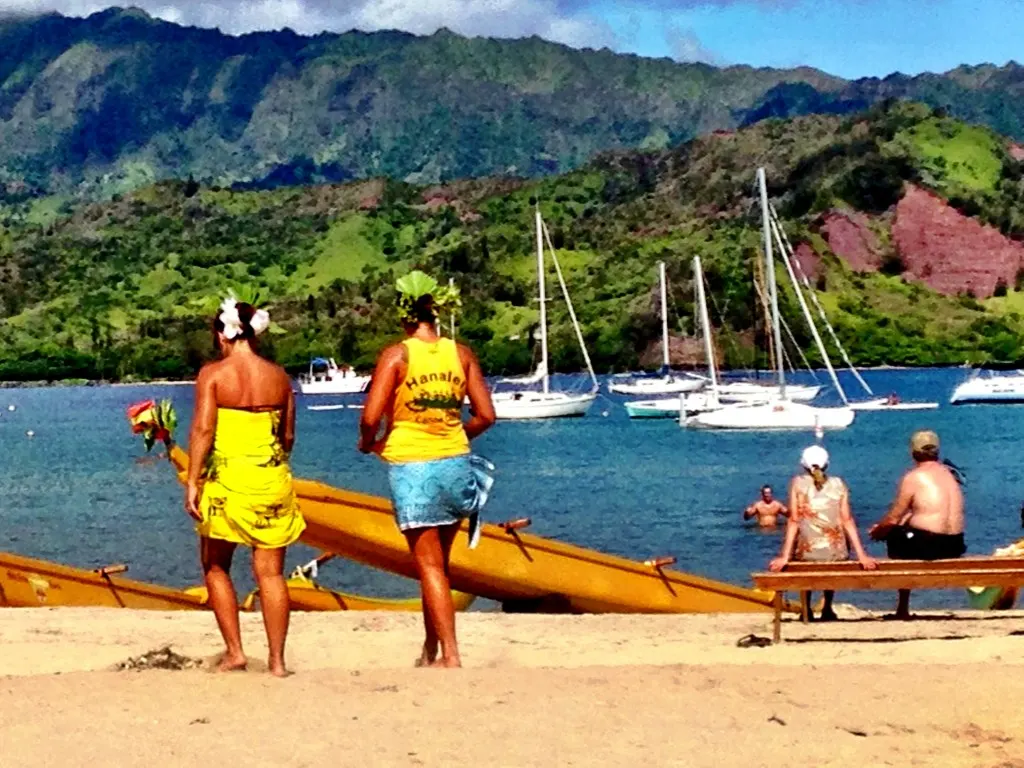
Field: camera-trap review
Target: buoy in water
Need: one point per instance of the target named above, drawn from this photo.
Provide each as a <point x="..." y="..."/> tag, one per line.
<point x="30" y="433"/>
<point x="605" y="414"/>
<point x="11" y="408"/>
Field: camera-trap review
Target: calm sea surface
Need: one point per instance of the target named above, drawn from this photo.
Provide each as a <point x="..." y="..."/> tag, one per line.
<point x="76" y="492"/>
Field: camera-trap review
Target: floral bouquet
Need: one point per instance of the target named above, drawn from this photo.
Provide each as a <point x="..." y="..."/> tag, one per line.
<point x="154" y="421"/>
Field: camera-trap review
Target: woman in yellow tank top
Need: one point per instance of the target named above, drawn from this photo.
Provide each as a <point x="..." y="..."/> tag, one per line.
<point x="418" y="391"/>
<point x="239" y="482"/>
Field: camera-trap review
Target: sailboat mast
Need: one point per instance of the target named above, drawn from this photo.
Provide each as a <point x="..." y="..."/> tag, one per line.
<point x="664" y="317"/>
<point x="543" y="301"/>
<point x="788" y="262"/>
<point x="705" y="322"/>
<point x="773" y="291"/>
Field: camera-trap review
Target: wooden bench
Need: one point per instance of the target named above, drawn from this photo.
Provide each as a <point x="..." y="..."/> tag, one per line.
<point x="891" y="575"/>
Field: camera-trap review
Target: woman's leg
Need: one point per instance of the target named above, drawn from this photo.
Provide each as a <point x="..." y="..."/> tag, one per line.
<point x="827" y="613"/>
<point x="216" y="559"/>
<point x="268" y="568"/>
<point x="431" y="549"/>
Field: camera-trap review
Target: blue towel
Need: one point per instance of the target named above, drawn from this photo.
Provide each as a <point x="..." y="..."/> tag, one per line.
<point x="483" y="474"/>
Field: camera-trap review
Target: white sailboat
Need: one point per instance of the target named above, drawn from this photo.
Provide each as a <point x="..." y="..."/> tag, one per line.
<point x="694" y="402"/>
<point x="1007" y="389"/>
<point x="873" y="403"/>
<point x="546" y="404"/>
<point x="668" y="383"/>
<point x="783" y="413"/>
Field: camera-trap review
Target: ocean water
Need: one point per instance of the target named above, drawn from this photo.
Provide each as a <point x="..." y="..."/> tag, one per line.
<point x="80" y="492"/>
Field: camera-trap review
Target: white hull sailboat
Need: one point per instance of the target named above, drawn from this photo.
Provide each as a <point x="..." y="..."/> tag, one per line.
<point x="667" y="383"/>
<point x="530" y="404"/>
<point x="873" y="403"/>
<point x="783" y="413"/>
<point x="751" y="392"/>
<point x="982" y="390"/>
<point x="777" y="416"/>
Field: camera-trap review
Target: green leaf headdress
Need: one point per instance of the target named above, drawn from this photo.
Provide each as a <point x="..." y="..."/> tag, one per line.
<point x="415" y="286"/>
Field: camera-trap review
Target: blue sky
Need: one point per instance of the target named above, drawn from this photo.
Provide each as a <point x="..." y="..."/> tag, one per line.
<point x="851" y="38"/>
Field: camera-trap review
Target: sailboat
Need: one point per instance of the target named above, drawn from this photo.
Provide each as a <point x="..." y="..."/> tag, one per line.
<point x="783" y="413"/>
<point x="668" y="383"/>
<point x="694" y="402"/>
<point x="873" y="403"/>
<point x="545" y="404"/>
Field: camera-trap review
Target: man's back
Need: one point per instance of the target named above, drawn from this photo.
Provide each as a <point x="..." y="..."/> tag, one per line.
<point x="938" y="502"/>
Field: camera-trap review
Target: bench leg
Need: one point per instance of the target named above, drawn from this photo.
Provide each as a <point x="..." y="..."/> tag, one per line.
<point x="805" y="607"/>
<point x="777" y="619"/>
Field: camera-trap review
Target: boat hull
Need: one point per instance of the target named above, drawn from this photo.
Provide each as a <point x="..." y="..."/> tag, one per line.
<point x="981" y="390"/>
<point x="744" y="392"/>
<point x="511" y="566"/>
<point x="778" y="416"/>
<point x="348" y="386"/>
<point x="541" y="405"/>
<point x="883" y="405"/>
<point x="29" y="583"/>
<point x="305" y="595"/>
<point x="667" y="386"/>
<point x="653" y="409"/>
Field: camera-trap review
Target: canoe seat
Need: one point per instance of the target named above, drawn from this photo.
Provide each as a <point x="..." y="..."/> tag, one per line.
<point x="1006" y="572"/>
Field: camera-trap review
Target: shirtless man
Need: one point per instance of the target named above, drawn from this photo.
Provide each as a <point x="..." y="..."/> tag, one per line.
<point x="926" y="522"/>
<point x="767" y="509"/>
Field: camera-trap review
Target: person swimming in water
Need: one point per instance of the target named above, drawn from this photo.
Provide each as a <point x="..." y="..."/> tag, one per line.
<point x="767" y="509"/>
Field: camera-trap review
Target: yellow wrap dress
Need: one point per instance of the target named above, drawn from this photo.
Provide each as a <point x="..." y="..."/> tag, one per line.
<point x="247" y="495"/>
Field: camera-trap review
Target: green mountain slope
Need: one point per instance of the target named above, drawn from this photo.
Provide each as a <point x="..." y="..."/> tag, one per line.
<point x="126" y="288"/>
<point x="106" y="104"/>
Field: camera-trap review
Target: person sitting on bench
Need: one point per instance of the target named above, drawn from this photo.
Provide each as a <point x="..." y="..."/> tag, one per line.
<point x="820" y="523"/>
<point x="926" y="522"/>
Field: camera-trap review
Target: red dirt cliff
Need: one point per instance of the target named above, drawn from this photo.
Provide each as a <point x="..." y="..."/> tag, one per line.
<point x="949" y="252"/>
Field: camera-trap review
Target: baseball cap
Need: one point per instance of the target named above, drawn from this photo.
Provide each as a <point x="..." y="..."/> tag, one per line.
<point x="923" y="440"/>
<point x="814" y="456"/>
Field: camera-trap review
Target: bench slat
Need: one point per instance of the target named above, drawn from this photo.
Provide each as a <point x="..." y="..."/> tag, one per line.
<point x="968" y="563"/>
<point x="887" y="579"/>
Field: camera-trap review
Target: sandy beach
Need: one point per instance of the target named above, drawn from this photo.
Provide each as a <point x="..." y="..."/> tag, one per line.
<point x="537" y="691"/>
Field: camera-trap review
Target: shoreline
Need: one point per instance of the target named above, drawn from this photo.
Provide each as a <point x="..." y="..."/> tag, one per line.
<point x="537" y="691"/>
<point x="60" y="383"/>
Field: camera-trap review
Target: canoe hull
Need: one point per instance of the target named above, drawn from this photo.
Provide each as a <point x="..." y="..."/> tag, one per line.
<point x="511" y="566"/>
<point x="29" y="583"/>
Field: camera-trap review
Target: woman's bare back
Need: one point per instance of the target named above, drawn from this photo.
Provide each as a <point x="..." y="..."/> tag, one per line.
<point x="250" y="382"/>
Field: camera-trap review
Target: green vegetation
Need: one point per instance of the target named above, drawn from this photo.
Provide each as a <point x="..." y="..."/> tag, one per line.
<point x="127" y="288"/>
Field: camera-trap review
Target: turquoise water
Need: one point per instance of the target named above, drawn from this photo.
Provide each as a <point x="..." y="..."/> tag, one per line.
<point x="77" y="493"/>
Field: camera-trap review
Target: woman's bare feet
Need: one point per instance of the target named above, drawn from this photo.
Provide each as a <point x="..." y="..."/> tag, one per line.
<point x="232" y="663"/>
<point x="277" y="668"/>
<point x="451" y="663"/>
<point x="428" y="655"/>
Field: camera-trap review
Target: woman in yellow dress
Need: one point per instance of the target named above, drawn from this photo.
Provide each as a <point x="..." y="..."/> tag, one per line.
<point x="239" y="482"/>
<point x="418" y="388"/>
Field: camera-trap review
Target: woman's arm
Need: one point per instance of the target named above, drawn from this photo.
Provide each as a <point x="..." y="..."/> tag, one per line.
<point x="792" y="528"/>
<point x="482" y="417"/>
<point x="288" y="422"/>
<point x="850" y="528"/>
<point x="382" y="387"/>
<point x="204" y="425"/>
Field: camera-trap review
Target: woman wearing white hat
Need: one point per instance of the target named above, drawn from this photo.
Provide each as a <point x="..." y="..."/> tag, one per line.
<point x="820" y="523"/>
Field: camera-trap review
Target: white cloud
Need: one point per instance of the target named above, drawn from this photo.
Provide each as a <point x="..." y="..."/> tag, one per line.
<point x="687" y="47"/>
<point x="550" y="19"/>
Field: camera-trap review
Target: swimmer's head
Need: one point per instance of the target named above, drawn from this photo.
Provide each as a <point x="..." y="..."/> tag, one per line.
<point x="766" y="493"/>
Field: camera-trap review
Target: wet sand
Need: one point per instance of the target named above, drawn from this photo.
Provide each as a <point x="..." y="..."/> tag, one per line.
<point x="537" y="691"/>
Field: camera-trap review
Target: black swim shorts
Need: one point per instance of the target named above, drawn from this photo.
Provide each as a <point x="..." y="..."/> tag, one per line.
<point x="908" y="543"/>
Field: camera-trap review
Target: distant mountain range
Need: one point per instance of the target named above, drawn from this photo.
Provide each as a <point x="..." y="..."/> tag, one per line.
<point x="112" y="102"/>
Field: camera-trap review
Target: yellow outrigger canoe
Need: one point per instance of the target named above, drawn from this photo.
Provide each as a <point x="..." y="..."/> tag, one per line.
<point x="522" y="571"/>
<point x="29" y="583"/>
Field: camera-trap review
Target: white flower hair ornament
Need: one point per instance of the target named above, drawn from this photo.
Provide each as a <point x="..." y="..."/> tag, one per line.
<point x="232" y="322"/>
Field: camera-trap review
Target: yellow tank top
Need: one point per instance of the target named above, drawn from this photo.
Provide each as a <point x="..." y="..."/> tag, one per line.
<point x="426" y="415"/>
